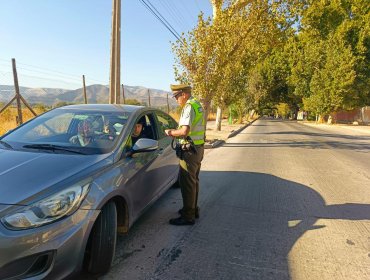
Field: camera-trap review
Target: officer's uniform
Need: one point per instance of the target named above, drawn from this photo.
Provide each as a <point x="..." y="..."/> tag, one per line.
<point x="192" y="116"/>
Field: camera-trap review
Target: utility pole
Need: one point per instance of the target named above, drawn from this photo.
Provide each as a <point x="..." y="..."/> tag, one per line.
<point x="123" y="94"/>
<point x="84" y="88"/>
<point x="149" y="98"/>
<point x="115" y="54"/>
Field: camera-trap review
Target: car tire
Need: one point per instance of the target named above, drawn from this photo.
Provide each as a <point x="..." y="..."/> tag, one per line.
<point x="102" y="241"/>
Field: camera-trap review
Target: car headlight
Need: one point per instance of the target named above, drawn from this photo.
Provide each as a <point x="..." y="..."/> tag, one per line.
<point x="47" y="210"/>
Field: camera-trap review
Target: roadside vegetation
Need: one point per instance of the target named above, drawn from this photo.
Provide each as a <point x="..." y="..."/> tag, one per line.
<point x="279" y="57"/>
<point x="8" y="118"/>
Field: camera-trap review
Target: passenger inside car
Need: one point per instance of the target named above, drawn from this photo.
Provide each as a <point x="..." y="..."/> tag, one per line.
<point x="85" y="133"/>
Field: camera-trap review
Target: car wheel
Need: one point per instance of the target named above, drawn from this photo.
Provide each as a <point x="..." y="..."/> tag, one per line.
<point x="102" y="241"/>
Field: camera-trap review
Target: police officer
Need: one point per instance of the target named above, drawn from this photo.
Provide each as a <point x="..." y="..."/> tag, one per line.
<point x="191" y="135"/>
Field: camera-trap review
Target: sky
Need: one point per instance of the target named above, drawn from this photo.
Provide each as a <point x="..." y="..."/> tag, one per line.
<point x="55" y="42"/>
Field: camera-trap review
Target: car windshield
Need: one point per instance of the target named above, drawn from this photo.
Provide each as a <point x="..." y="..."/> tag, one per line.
<point x="69" y="131"/>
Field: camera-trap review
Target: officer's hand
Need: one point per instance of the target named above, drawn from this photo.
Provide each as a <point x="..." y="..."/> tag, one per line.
<point x="168" y="132"/>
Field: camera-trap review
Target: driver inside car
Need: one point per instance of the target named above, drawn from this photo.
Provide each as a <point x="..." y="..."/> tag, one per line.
<point x="139" y="131"/>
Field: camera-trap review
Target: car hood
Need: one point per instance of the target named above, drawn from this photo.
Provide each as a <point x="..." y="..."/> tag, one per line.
<point x="24" y="174"/>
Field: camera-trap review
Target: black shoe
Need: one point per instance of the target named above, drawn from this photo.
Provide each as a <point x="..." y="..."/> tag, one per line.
<point x="180" y="221"/>
<point x="196" y="213"/>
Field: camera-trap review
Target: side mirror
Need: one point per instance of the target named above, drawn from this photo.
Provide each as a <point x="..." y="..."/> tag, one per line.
<point x="143" y="145"/>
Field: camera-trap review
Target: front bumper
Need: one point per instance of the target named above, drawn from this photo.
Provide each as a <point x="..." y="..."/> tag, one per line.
<point x="52" y="251"/>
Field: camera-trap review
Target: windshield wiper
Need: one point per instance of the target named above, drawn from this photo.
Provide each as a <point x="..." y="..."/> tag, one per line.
<point x="53" y="148"/>
<point x="6" y="144"/>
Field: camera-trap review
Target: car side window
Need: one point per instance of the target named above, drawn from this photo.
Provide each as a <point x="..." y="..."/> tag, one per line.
<point x="165" y="122"/>
<point x="144" y="128"/>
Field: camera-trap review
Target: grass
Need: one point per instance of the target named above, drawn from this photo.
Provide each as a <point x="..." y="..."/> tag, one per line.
<point x="8" y="118"/>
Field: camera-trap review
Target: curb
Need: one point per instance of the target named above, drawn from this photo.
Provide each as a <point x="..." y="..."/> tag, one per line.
<point x="218" y="143"/>
<point x="214" y="144"/>
<point x="357" y="128"/>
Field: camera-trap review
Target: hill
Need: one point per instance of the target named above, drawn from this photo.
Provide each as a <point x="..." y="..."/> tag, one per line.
<point x="95" y="94"/>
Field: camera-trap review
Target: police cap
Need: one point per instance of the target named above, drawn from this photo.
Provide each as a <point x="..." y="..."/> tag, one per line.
<point x="177" y="89"/>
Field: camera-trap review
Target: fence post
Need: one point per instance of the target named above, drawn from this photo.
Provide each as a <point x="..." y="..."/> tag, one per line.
<point x="168" y="105"/>
<point x="17" y="95"/>
<point x="84" y="88"/>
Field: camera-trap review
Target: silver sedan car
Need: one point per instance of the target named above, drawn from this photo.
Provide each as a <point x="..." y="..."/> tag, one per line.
<point x="72" y="178"/>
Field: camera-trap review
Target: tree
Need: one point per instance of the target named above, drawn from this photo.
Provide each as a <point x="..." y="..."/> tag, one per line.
<point x="330" y="58"/>
<point x="217" y="54"/>
<point x="331" y="85"/>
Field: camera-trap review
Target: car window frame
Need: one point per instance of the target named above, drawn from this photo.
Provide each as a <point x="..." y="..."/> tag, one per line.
<point x="159" y="123"/>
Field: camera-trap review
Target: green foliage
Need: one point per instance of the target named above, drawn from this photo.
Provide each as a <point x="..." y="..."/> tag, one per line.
<point x="283" y="110"/>
<point x="41" y="107"/>
<point x="61" y="104"/>
<point x="330" y="57"/>
<point x="132" y="102"/>
<point x="218" y="54"/>
<point x="331" y="85"/>
<point x="254" y="54"/>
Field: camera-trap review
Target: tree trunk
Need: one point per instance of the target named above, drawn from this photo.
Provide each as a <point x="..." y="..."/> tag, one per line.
<point x="218" y="119"/>
<point x="240" y="116"/>
<point x="206" y="105"/>
<point x="251" y="115"/>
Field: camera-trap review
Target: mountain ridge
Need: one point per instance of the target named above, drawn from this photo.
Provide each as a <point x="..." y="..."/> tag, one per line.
<point x="96" y="93"/>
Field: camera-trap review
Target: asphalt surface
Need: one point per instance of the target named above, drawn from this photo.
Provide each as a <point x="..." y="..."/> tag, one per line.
<point x="278" y="201"/>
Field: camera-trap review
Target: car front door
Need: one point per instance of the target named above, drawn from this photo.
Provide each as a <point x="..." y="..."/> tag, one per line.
<point x="141" y="178"/>
<point x="167" y="161"/>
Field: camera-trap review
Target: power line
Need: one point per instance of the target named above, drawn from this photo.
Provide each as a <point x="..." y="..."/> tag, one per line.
<point x="47" y="79"/>
<point x="163" y="21"/>
<point x="163" y="18"/>
<point x="178" y="12"/>
<point x="186" y="8"/>
<point x="51" y="71"/>
<point x="196" y="2"/>
<point x="173" y="15"/>
<point x="54" y="75"/>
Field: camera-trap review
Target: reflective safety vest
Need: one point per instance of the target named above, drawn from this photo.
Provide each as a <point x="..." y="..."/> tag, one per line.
<point x="197" y="129"/>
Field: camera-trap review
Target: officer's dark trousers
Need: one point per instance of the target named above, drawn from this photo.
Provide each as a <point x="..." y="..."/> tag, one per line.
<point x="189" y="181"/>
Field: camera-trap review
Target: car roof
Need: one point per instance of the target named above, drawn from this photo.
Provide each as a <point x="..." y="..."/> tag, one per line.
<point x="105" y="107"/>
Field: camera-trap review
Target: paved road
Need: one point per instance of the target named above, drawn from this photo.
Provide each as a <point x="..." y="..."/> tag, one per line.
<point x="278" y="201"/>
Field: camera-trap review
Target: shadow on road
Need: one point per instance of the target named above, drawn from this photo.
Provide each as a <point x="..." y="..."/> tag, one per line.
<point x="304" y="144"/>
<point x="249" y="224"/>
<point x="315" y="134"/>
